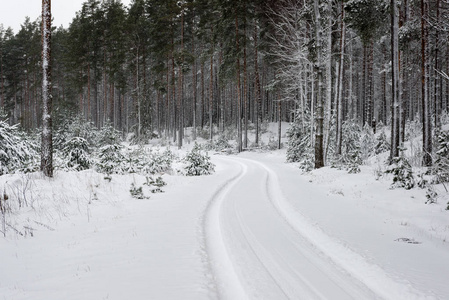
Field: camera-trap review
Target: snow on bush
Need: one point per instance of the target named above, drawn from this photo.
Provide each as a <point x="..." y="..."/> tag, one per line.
<point x="402" y="172"/>
<point x="108" y="135"/>
<point x="299" y="143"/>
<point x="198" y="162"/>
<point x="74" y="127"/>
<point x="351" y="149"/>
<point x="110" y="160"/>
<point x="158" y="162"/>
<point x="441" y="166"/>
<point x="367" y="142"/>
<point x="381" y="145"/>
<point x="16" y="152"/>
<point x="76" y="154"/>
<point x="221" y="144"/>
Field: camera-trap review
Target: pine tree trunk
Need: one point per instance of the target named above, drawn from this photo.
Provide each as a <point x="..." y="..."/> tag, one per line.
<point x="180" y="88"/>
<point x="340" y="83"/>
<point x="257" y="91"/>
<point x="437" y="67"/>
<point x="89" y="107"/>
<point x="279" y="122"/>
<point x="47" y="144"/>
<point x="139" y="102"/>
<point x="319" y="149"/>
<point x="328" y="99"/>
<point x="370" y="116"/>
<point x="194" y="77"/>
<point x="202" y="94"/>
<point x="395" y="82"/>
<point x="384" y="90"/>
<point x="211" y="95"/>
<point x="239" y="101"/>
<point x="351" y="108"/>
<point x="2" y="99"/>
<point x="245" y="93"/>
<point x="166" y="99"/>
<point x="174" y="113"/>
<point x="427" y="145"/>
<point x="221" y="97"/>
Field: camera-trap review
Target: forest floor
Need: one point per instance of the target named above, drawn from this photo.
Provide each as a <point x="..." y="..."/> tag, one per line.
<point x="258" y="228"/>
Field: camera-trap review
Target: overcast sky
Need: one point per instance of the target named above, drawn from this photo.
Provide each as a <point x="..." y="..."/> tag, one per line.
<point x="13" y="12"/>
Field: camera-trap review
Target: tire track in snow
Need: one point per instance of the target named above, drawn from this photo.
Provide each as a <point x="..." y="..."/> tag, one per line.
<point x="227" y="283"/>
<point x="372" y="276"/>
<point x="272" y="259"/>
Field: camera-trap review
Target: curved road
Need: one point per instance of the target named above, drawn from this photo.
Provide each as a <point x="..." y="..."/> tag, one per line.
<point x="256" y="254"/>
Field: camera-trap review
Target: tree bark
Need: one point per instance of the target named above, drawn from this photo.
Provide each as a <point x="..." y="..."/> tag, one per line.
<point x="211" y="94"/>
<point x="257" y="91"/>
<point x="194" y="77"/>
<point x="47" y="144"/>
<point x="239" y="101"/>
<point x="319" y="149"/>
<point x="180" y="88"/>
<point x="395" y="82"/>
<point x="340" y="83"/>
<point x="427" y="139"/>
<point x="2" y="99"/>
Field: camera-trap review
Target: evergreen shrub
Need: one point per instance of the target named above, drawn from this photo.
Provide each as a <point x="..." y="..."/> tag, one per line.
<point x="198" y="162"/>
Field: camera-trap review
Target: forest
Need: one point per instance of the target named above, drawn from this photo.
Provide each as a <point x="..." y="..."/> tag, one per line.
<point x="157" y="67"/>
<point x="226" y="149"/>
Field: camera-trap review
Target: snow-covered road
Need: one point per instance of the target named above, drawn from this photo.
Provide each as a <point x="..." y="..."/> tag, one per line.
<point x="255" y="229"/>
<point x="257" y="254"/>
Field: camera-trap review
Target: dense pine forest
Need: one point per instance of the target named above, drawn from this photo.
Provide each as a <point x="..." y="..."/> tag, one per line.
<point x="157" y="67"/>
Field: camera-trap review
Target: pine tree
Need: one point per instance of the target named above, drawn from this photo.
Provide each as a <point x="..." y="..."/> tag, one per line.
<point x="198" y="162"/>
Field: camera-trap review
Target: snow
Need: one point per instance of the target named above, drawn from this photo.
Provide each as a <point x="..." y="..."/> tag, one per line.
<point x="258" y="228"/>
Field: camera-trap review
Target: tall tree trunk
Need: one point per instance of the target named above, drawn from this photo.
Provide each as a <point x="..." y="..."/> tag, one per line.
<point x="211" y="95"/>
<point x="352" y="109"/>
<point x="194" y="77"/>
<point x="328" y="99"/>
<point x="180" y="88"/>
<point x="245" y="92"/>
<point x="167" y="100"/>
<point x="395" y="82"/>
<point x="202" y="94"/>
<point x="340" y="83"/>
<point x="47" y="144"/>
<point x="257" y="91"/>
<point x="363" y="94"/>
<point x="221" y="92"/>
<point x="370" y="116"/>
<point x="89" y="107"/>
<point x="319" y="149"/>
<point x="239" y="101"/>
<point x="174" y="114"/>
<point x="279" y="121"/>
<point x="139" y="102"/>
<point x="2" y="99"/>
<point x="437" y="68"/>
<point x="427" y="138"/>
<point x="384" y="89"/>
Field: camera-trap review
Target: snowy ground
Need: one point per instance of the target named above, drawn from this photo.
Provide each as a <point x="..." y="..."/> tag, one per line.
<point x="256" y="229"/>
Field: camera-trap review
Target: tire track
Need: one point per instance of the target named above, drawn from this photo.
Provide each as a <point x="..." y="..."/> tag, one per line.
<point x="269" y="259"/>
<point x="227" y="284"/>
<point x="371" y="280"/>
